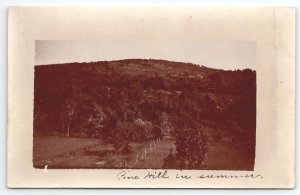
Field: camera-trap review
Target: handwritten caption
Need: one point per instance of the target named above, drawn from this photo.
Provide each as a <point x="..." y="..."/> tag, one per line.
<point x="181" y="175"/>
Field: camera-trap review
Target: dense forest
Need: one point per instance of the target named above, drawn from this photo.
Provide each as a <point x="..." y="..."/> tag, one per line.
<point x="138" y="100"/>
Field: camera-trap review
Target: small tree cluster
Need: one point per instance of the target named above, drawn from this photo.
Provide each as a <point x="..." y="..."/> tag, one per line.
<point x="190" y="150"/>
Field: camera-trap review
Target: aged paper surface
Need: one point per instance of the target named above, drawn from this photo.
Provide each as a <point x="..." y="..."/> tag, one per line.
<point x="272" y="30"/>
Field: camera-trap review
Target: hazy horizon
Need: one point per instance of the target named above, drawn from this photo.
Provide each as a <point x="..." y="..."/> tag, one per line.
<point x="219" y="55"/>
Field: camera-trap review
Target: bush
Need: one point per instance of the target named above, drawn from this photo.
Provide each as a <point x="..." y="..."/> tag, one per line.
<point x="190" y="150"/>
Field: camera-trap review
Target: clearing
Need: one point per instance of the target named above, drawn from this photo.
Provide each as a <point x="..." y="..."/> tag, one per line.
<point x="63" y="152"/>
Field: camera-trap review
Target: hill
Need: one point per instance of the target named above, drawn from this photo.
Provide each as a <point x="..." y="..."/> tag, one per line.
<point x="137" y="100"/>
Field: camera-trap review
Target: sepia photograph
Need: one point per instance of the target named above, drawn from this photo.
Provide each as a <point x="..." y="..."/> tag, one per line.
<point x="108" y="108"/>
<point x="151" y="97"/>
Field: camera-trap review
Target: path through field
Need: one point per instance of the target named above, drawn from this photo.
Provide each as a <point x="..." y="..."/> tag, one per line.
<point x="155" y="158"/>
<point x="61" y="152"/>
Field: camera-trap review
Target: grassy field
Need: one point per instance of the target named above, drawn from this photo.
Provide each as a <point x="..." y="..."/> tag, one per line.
<point x="50" y="147"/>
<point x="225" y="156"/>
<point x="62" y="152"/>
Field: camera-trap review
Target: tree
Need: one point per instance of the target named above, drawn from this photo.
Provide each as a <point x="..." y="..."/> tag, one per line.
<point x="190" y="148"/>
<point x="143" y="130"/>
<point x="157" y="132"/>
<point x="96" y="119"/>
<point x="169" y="161"/>
<point x="39" y="118"/>
<point x="122" y="135"/>
<point x="109" y="125"/>
<point x="165" y="124"/>
<point x="68" y="114"/>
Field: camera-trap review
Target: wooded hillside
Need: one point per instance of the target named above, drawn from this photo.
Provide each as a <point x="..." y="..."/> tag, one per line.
<point x="139" y="100"/>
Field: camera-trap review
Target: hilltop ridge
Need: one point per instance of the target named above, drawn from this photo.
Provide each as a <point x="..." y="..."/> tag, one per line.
<point x="146" y="66"/>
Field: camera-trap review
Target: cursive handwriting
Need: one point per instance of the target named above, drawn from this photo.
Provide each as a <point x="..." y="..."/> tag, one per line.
<point x="226" y="176"/>
<point x="126" y="175"/>
<point x="157" y="175"/>
<point x="164" y="174"/>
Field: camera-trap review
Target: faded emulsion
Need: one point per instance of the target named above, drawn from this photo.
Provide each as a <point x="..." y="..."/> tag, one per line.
<point x="143" y="114"/>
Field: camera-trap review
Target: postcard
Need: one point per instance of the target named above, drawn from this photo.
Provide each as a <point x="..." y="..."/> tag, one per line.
<point x="151" y="97"/>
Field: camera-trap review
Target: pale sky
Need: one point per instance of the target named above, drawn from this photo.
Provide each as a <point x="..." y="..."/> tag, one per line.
<point x="221" y="55"/>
